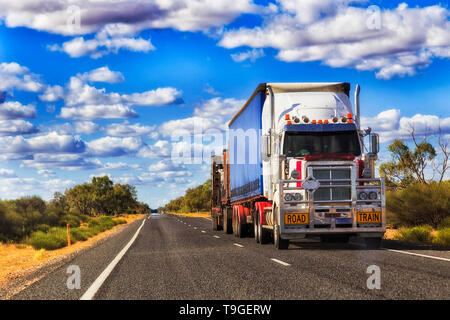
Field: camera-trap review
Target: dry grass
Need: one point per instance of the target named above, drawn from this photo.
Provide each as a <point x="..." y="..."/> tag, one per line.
<point x="193" y="214"/>
<point x="392" y="234"/>
<point x="17" y="260"/>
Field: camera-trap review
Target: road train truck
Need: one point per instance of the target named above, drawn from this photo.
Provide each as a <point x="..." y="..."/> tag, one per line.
<point x="296" y="166"/>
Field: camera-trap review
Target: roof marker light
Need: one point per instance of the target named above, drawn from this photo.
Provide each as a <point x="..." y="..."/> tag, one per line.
<point x="320" y="121"/>
<point x="314" y="121"/>
<point x="286" y="116"/>
<point x="325" y="121"/>
<point x="349" y="115"/>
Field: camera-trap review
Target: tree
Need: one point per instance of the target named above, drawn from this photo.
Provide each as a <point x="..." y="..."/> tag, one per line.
<point x="103" y="195"/>
<point x="81" y="198"/>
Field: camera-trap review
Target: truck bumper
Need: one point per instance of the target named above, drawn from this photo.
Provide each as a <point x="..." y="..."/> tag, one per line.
<point x="359" y="232"/>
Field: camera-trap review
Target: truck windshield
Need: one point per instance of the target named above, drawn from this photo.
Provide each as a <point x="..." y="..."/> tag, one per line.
<point x="300" y="144"/>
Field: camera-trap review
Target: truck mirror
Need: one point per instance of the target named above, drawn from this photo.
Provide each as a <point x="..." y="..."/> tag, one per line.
<point x="374" y="143"/>
<point x="265" y="145"/>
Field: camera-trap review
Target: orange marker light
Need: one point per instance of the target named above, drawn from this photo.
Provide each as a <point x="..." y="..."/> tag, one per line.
<point x="325" y="121"/>
<point x="289" y="122"/>
<point x="320" y="121"/>
<point x="349" y="115"/>
<point x="350" y="121"/>
<point x="314" y="121"/>
<point x="286" y="117"/>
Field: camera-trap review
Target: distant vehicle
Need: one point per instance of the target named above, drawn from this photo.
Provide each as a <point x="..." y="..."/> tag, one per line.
<point x="295" y="168"/>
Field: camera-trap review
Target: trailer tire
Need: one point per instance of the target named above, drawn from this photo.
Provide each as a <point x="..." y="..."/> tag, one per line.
<point x="227" y="223"/>
<point x="256" y="229"/>
<point x="373" y="243"/>
<point x="219" y="226"/>
<point x="264" y="234"/>
<point x="214" y="223"/>
<point x="280" y="244"/>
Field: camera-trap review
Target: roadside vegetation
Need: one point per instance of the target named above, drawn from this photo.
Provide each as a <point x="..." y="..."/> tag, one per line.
<point x="419" y="207"/>
<point x="194" y="200"/>
<point x="89" y="209"/>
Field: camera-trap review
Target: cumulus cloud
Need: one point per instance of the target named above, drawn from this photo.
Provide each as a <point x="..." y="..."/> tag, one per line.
<point x="128" y="130"/>
<point x="15" y="76"/>
<point x="16" y="127"/>
<point x="251" y="55"/>
<point x="390" y="125"/>
<point x="102" y="45"/>
<point x="211" y="114"/>
<point x="392" y="42"/>
<point x="48" y="143"/>
<point x="52" y="94"/>
<point x="15" y="110"/>
<point x="103" y="74"/>
<point x="86" y="127"/>
<point x="121" y="17"/>
<point x="90" y="112"/>
<point x="113" y="146"/>
<point x="71" y="162"/>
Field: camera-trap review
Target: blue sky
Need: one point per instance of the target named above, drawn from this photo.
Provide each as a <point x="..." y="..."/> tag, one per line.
<point x="103" y="96"/>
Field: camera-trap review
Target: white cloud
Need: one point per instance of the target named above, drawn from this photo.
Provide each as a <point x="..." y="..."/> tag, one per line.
<point x="159" y="149"/>
<point x="71" y="162"/>
<point x="7" y="173"/>
<point x="16" y="187"/>
<point x="16" y="127"/>
<point x="15" y="110"/>
<point x="90" y="112"/>
<point x="211" y="114"/>
<point x="15" y="76"/>
<point x="103" y="74"/>
<point x="48" y="143"/>
<point x="113" y="146"/>
<point x="251" y="55"/>
<point x="86" y="127"/>
<point x="128" y="130"/>
<point x="390" y="125"/>
<point x="100" y="46"/>
<point x="122" y="17"/>
<point x="340" y="35"/>
<point x="52" y="94"/>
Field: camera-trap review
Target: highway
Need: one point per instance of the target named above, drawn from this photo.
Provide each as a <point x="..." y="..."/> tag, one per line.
<point x="172" y="257"/>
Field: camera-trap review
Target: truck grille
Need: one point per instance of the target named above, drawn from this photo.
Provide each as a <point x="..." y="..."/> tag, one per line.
<point x="341" y="193"/>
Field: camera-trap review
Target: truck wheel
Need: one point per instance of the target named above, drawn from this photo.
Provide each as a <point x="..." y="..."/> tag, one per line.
<point x="214" y="223"/>
<point x="219" y="226"/>
<point x="373" y="243"/>
<point x="280" y="244"/>
<point x="264" y="234"/>
<point x="256" y="229"/>
<point x="227" y="223"/>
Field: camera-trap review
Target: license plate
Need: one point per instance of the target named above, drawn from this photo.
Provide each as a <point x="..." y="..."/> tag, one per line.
<point x="296" y="218"/>
<point x="369" y="217"/>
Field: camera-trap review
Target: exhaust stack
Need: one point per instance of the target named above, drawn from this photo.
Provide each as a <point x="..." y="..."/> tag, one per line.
<point x="357" y="111"/>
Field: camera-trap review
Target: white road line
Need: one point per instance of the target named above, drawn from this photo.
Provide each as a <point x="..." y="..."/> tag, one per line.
<point x="238" y="245"/>
<point x="90" y="293"/>
<point x="280" y="262"/>
<point x="203" y="231"/>
<point x="217" y="237"/>
<point x="195" y="228"/>
<point x="417" y="254"/>
<point x="206" y="218"/>
<point x="189" y="225"/>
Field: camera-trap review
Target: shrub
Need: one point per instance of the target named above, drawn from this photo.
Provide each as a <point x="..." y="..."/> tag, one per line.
<point x="420" y="234"/>
<point x="72" y="220"/>
<point x="43" y="228"/>
<point x="445" y="223"/>
<point x="419" y="204"/>
<point x="55" y="238"/>
<point x="443" y="237"/>
<point x="120" y="221"/>
<point x="80" y="234"/>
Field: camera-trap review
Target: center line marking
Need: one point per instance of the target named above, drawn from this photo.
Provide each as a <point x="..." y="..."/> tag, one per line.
<point x="238" y="245"/>
<point x="417" y="254"/>
<point x="203" y="231"/>
<point x="216" y="237"/>
<point x="90" y="293"/>
<point x="280" y="262"/>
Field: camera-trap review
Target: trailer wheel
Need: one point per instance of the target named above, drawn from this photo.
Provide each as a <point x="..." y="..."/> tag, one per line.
<point x="214" y="223"/>
<point x="280" y="244"/>
<point x="219" y="226"/>
<point x="256" y="229"/>
<point x="373" y="243"/>
<point x="227" y="222"/>
<point x="264" y="234"/>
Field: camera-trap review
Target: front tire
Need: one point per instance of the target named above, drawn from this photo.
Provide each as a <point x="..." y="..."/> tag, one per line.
<point x="280" y="244"/>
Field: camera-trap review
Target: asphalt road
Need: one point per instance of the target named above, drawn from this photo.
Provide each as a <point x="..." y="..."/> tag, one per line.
<point x="182" y="258"/>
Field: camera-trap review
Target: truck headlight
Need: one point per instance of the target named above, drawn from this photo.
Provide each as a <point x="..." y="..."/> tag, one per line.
<point x="288" y="197"/>
<point x="362" y="195"/>
<point x="295" y="174"/>
<point x="373" y="195"/>
<point x="297" y="196"/>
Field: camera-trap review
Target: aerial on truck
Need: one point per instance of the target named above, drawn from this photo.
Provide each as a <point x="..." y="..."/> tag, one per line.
<point x="296" y="166"/>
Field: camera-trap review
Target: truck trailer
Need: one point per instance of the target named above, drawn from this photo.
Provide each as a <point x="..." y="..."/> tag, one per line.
<point x="296" y="166"/>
